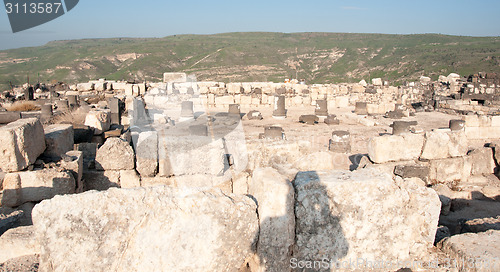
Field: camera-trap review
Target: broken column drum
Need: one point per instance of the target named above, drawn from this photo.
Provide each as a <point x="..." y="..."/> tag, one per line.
<point x="279" y="107"/>
<point x="399" y="127"/>
<point x="73" y="101"/>
<point x="310" y="119"/>
<point x="234" y="109"/>
<point x="361" y="108"/>
<point x="332" y="120"/>
<point x="187" y="110"/>
<point x="273" y="133"/>
<point x="457" y="125"/>
<point x="47" y="111"/>
<point x="321" y="108"/>
<point x="340" y="142"/>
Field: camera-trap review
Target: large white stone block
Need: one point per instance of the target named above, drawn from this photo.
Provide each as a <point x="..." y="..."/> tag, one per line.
<point x="365" y="214"/>
<point x="388" y="148"/>
<point x="22" y="142"/>
<point x="146" y="229"/>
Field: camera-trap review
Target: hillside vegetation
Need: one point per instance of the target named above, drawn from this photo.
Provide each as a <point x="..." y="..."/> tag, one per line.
<point x="230" y="57"/>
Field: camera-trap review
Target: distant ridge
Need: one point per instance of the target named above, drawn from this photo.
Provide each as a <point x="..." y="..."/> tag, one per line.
<point x="254" y="56"/>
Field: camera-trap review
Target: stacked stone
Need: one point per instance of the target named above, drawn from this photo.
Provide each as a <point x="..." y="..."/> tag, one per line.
<point x="23" y="141"/>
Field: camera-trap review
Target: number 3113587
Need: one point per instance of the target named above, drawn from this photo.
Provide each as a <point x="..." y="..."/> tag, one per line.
<point x="33" y="8"/>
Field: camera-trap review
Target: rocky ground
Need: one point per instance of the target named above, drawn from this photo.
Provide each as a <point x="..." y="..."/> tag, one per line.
<point x="244" y="197"/>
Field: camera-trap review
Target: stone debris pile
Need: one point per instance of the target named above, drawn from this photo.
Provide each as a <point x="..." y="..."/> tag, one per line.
<point x="252" y="176"/>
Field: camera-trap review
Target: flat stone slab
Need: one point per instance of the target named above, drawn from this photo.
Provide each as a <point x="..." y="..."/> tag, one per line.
<point x="474" y="251"/>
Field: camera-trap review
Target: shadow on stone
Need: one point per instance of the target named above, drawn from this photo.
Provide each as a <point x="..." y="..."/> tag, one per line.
<point x="317" y="239"/>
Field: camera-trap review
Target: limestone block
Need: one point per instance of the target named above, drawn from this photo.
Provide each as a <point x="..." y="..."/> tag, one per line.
<point x="147" y="153"/>
<point x="190" y="155"/>
<point x="449" y="170"/>
<point x="441" y="144"/>
<point x="129" y="179"/>
<point x="59" y="139"/>
<point x="22" y="142"/>
<point x="388" y="148"/>
<point x="100" y="120"/>
<point x="342" y="215"/>
<point x="100" y="180"/>
<point x="482" y="133"/>
<point x="34" y="186"/>
<point x="482" y="161"/>
<point x="18" y="242"/>
<point x="143" y="229"/>
<point x="115" y="154"/>
<point x="474" y="251"/>
<point x="275" y="199"/>
<point x="224" y="101"/>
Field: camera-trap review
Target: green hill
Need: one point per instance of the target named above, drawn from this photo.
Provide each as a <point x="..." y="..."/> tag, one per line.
<point x="316" y="57"/>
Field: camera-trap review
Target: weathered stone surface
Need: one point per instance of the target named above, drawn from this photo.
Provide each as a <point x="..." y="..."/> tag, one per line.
<point x="26" y="263"/>
<point x="331" y="119"/>
<point x="413" y="171"/>
<point x="190" y="155"/>
<point x="344" y="215"/>
<point x="456" y="125"/>
<point x="33" y="186"/>
<point x="479" y="251"/>
<point x="174" y="77"/>
<point x="441" y="144"/>
<point x="147" y="153"/>
<point x="274" y="195"/>
<point x="273" y="132"/>
<point x="361" y="108"/>
<point x="129" y="179"/>
<point x="144" y="229"/>
<point x="100" y="180"/>
<point x="340" y="142"/>
<point x="8" y="117"/>
<point x="241" y="183"/>
<point x="89" y="150"/>
<point x="115" y="154"/>
<point x="254" y="115"/>
<point x="400" y="127"/>
<point x="442" y="232"/>
<point x="481" y="224"/>
<point x="18" y="242"/>
<point x="309" y="119"/>
<point x="482" y="133"/>
<point x="22" y="142"/>
<point x="9" y="220"/>
<point x="482" y="161"/>
<point x="395" y="147"/>
<point x="449" y="170"/>
<point x="377" y="81"/>
<point x="100" y="120"/>
<point x="59" y="139"/>
<point x="323" y="161"/>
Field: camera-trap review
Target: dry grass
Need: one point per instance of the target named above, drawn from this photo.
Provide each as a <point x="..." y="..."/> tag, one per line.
<point x="23" y="106"/>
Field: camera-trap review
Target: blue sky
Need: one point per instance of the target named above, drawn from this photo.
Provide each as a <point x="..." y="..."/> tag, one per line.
<point x="156" y="18"/>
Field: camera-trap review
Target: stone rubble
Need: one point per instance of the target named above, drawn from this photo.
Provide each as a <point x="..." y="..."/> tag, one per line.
<point x="244" y="200"/>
